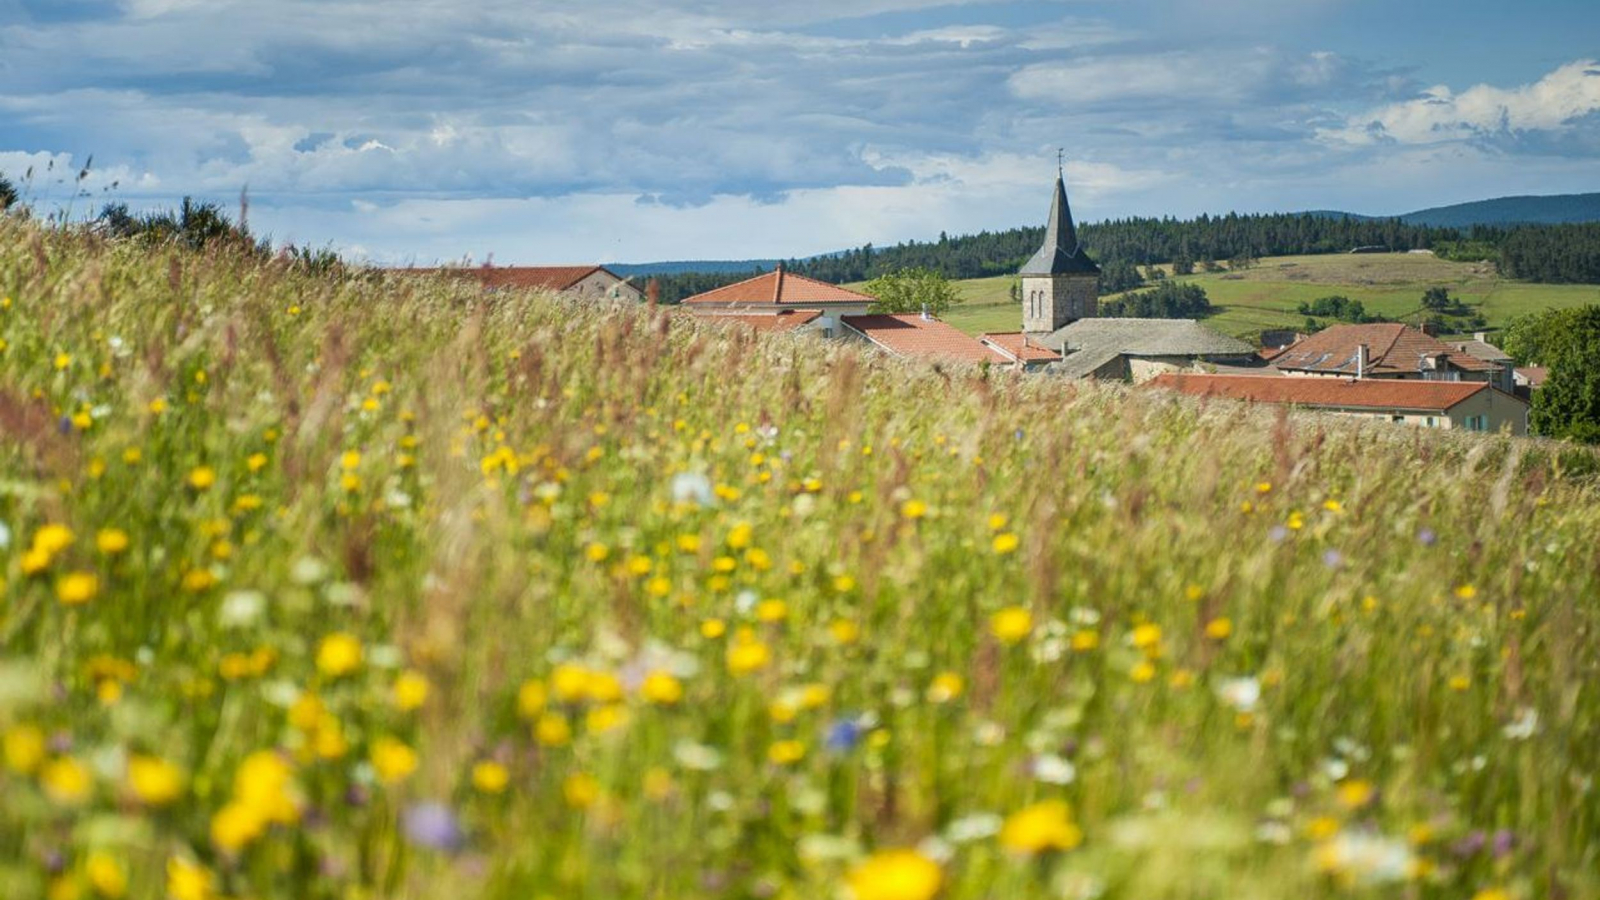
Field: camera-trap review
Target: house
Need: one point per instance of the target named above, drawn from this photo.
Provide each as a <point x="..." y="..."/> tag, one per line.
<point x="772" y="321"/>
<point x="1480" y="348"/>
<point x="1470" y="405"/>
<point x="575" y="281"/>
<point x="1530" y="377"/>
<point x="921" y="337"/>
<point x="1020" y="348"/>
<point x="781" y="290"/>
<point x="1139" y="349"/>
<point x="1387" y="350"/>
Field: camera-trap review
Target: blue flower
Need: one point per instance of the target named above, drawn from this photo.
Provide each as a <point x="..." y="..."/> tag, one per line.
<point x="843" y="736"/>
<point x="433" y="825"/>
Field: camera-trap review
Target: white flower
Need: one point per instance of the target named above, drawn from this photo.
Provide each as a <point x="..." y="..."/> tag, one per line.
<point x="1240" y="693"/>
<point x="974" y="827"/>
<point x="241" y="609"/>
<point x="5" y="535"/>
<point x="691" y="487"/>
<point x="1524" y="726"/>
<point x="1367" y="858"/>
<point x="1052" y="769"/>
<point x="696" y="757"/>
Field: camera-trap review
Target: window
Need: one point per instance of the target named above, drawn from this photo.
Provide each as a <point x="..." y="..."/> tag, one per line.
<point x="1432" y="422"/>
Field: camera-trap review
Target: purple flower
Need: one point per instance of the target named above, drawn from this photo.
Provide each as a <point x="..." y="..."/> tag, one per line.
<point x="1278" y="533"/>
<point x="843" y="735"/>
<point x="65" y="425"/>
<point x="1427" y="537"/>
<point x="1333" y="559"/>
<point x="1470" y="844"/>
<point x="1503" y="842"/>
<point x="433" y="825"/>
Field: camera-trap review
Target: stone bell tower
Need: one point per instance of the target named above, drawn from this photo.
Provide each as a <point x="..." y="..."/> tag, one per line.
<point x="1060" y="284"/>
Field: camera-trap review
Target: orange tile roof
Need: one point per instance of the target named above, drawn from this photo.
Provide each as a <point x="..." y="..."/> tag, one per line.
<point x="1017" y="345"/>
<point x="912" y="335"/>
<point x="774" y="322"/>
<point x="549" y="278"/>
<point x="1392" y="348"/>
<point x="1340" y="393"/>
<point x="777" y="288"/>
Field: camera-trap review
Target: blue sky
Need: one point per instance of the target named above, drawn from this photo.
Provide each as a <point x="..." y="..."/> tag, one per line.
<point x="632" y="130"/>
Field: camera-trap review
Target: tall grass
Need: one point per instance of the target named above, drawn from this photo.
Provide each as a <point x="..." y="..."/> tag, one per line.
<point x="375" y="587"/>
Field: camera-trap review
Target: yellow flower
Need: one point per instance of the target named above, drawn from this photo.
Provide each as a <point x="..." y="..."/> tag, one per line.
<point x="844" y="631"/>
<point x="1332" y="505"/>
<point x="772" y="610"/>
<point x="63" y="360"/>
<point x="255" y="462"/>
<point x="153" y="780"/>
<point x="1085" y="640"/>
<point x="895" y="875"/>
<point x="661" y="688"/>
<point x="188" y="880"/>
<point x="748" y="655"/>
<point x="1459" y="683"/>
<point x="711" y="629"/>
<point x="1295" y="521"/>
<point x="946" y="686"/>
<point x="392" y="760"/>
<point x="1012" y="624"/>
<point x="410" y="690"/>
<point x="1355" y="793"/>
<point x="1493" y="893"/>
<point x="202" y="477"/>
<point x="1466" y="592"/>
<point x="608" y="717"/>
<point x="913" y="509"/>
<point x="75" y="588"/>
<point x="531" y="698"/>
<point x="66" y="781"/>
<point x="24" y="747"/>
<point x="1219" y="629"/>
<point x="338" y="654"/>
<point x="106" y="874"/>
<point x="490" y="777"/>
<point x="264" y="784"/>
<point x="1143" y="672"/>
<point x="111" y="541"/>
<point x="597" y="552"/>
<point x="1039" y="828"/>
<point x="52" y="539"/>
<point x="236" y="825"/>
<point x="783" y="753"/>
<point x="580" y="790"/>
<point x="1006" y="542"/>
<point x="1147" y="636"/>
<point x="552" y="730"/>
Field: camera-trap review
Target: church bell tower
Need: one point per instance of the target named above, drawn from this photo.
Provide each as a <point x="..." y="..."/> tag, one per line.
<point x="1060" y="284"/>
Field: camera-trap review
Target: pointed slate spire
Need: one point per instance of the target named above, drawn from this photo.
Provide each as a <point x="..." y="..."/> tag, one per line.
<point x="1061" y="254"/>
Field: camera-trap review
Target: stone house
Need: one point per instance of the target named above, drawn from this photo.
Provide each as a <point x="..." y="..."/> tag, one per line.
<point x="1469" y="405"/>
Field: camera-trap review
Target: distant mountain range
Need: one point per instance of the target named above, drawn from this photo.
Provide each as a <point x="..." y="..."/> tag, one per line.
<point x="1551" y="209"/>
<point x="1554" y="209"/>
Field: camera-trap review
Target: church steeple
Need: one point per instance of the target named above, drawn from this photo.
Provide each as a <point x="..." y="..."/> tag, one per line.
<point x="1061" y="254"/>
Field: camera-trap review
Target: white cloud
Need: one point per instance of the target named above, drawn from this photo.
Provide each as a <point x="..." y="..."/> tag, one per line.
<point x="1550" y="104"/>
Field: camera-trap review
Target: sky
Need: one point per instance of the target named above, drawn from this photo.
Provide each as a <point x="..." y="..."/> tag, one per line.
<point x="534" y="132"/>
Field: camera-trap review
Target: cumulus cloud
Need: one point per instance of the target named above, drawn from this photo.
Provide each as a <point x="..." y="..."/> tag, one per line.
<point x="1554" y="103"/>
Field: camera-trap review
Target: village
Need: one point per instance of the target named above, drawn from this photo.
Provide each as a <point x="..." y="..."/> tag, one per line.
<point x="1390" y="371"/>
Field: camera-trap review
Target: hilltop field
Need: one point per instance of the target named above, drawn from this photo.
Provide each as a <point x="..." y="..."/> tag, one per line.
<point x="355" y="585"/>
<point x="1266" y="297"/>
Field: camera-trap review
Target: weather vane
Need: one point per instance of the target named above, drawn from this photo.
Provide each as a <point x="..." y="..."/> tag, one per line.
<point x="1061" y="157"/>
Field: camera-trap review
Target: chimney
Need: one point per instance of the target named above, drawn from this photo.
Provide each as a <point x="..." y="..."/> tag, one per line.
<point x="777" y="284"/>
<point x="1362" y="360"/>
<point x="1481" y="337"/>
<point x="925" y="316"/>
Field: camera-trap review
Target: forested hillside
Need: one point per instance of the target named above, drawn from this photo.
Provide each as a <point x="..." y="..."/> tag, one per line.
<point x="1544" y="253"/>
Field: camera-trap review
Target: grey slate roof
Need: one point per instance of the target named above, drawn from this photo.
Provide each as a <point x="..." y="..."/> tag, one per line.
<point x="1061" y="253"/>
<point x="1088" y="344"/>
<point x="1482" y="350"/>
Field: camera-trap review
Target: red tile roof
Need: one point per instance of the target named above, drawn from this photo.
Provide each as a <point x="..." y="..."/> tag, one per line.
<point x="549" y="278"/>
<point x="779" y="287"/>
<point x="773" y="322"/>
<point x="912" y="335"/>
<point x="1017" y="345"/>
<point x="1392" y="348"/>
<point x="1341" y="393"/>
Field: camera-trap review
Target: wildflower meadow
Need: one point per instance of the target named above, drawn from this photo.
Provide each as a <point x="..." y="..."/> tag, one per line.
<point x="365" y="585"/>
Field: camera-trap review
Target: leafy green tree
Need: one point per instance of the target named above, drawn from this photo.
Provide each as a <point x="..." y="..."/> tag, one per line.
<point x="1168" y="300"/>
<point x="1568" y="406"/>
<point x="1182" y="264"/>
<point x="8" y="194"/>
<point x="912" y="290"/>
<point x="1437" y="298"/>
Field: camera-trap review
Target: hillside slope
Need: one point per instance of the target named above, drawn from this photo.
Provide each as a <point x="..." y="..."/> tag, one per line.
<point x="1522" y="210"/>
<point x="325" y="587"/>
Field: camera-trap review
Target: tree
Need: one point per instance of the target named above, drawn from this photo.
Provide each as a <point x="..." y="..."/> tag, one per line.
<point x="1169" y="300"/>
<point x="1568" y="406"/>
<point x="1437" y="298"/>
<point x="912" y="290"/>
<point x="1182" y="264"/>
<point x="8" y="194"/>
